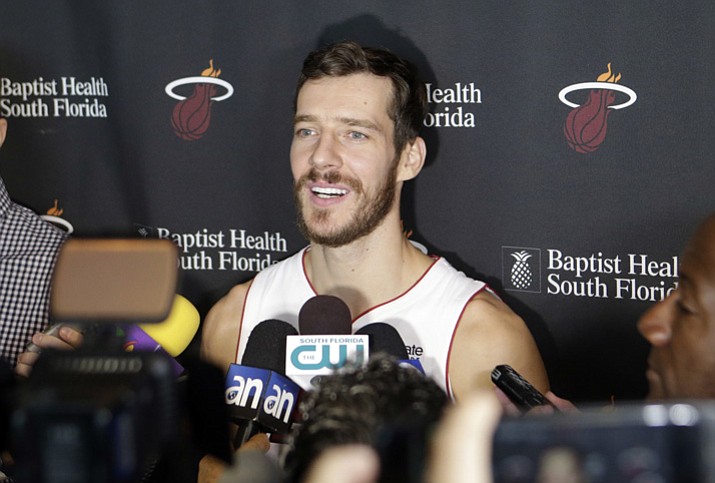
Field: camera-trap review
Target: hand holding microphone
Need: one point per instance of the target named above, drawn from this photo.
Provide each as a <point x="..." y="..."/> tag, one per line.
<point x="172" y="335"/>
<point x="57" y="336"/>
<point x="260" y="398"/>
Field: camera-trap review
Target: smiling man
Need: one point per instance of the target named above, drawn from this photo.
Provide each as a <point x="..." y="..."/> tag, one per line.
<point x="358" y="112"/>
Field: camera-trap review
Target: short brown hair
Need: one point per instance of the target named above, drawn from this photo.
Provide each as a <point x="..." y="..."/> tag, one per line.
<point x="409" y="106"/>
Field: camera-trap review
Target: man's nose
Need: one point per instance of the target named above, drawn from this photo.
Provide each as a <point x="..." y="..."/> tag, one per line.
<point x="655" y="325"/>
<point x="326" y="153"/>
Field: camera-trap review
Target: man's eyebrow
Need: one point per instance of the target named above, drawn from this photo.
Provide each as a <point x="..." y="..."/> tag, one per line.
<point x="360" y="123"/>
<point x="350" y="121"/>
<point x="303" y="118"/>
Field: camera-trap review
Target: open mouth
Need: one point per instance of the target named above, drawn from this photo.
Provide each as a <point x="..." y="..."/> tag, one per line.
<point x="328" y="193"/>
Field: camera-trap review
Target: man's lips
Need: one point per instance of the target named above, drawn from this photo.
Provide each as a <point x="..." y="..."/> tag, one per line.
<point x="328" y="192"/>
<point x="324" y="194"/>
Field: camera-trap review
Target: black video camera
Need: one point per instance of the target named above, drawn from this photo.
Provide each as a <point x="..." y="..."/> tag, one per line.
<point x="99" y="413"/>
<point x="633" y="442"/>
<point x="94" y="417"/>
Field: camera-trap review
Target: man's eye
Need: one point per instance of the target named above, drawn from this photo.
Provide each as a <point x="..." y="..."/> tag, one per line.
<point x="304" y="132"/>
<point x="355" y="135"/>
<point x="684" y="308"/>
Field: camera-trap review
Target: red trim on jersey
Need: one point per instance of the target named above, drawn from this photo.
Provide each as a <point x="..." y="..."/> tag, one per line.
<point x="305" y="271"/>
<point x="305" y="274"/>
<point x="448" y="382"/>
<point x="434" y="262"/>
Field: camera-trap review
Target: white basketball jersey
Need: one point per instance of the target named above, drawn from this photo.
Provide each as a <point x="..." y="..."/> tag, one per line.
<point x="426" y="315"/>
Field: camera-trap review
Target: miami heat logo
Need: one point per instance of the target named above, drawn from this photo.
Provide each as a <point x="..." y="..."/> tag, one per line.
<point x="53" y="216"/>
<point x="586" y="125"/>
<point x="191" y="116"/>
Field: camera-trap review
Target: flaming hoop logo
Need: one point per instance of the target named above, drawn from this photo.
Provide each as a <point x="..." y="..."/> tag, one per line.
<point x="53" y="216"/>
<point x="586" y="125"/>
<point x="191" y="116"/>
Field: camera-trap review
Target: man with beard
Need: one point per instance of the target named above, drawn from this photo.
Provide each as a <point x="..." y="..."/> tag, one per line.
<point x="358" y="112"/>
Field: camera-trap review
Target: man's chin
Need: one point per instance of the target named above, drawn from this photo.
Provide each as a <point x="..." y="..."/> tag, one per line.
<point x="334" y="237"/>
<point x="656" y="392"/>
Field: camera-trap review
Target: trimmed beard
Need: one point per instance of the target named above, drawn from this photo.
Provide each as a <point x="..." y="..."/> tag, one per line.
<point x="368" y="215"/>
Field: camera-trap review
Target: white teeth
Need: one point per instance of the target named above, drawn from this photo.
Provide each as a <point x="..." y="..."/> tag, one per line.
<point x="329" y="192"/>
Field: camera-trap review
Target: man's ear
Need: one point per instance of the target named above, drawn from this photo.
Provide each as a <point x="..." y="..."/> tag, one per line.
<point x="412" y="159"/>
<point x="3" y="130"/>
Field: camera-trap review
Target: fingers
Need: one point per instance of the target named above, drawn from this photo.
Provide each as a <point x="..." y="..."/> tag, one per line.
<point x="210" y="469"/>
<point x="506" y="404"/>
<point x="511" y="409"/>
<point x="561" y="404"/>
<point x="69" y="338"/>
<point x="25" y="362"/>
<point x="257" y="442"/>
<point x="65" y="339"/>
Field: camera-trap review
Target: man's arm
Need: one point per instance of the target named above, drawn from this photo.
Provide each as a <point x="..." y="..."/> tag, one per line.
<point x="489" y="334"/>
<point x="219" y="339"/>
<point x="220" y="330"/>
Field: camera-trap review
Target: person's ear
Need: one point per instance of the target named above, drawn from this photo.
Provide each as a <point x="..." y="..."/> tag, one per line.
<point x="3" y="130"/>
<point x="412" y="159"/>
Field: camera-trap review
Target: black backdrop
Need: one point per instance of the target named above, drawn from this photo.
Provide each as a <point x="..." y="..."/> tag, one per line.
<point x="84" y="87"/>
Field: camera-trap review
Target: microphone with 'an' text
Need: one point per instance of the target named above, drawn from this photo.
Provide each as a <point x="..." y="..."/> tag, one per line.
<point x="260" y="398"/>
<point x="325" y="343"/>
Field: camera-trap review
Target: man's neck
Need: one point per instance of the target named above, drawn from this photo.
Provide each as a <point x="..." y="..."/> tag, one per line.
<point x="367" y="272"/>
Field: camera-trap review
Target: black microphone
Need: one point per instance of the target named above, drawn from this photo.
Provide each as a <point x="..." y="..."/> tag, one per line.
<point x="326" y="341"/>
<point x="385" y="338"/>
<point x="259" y="396"/>
<point x="324" y="314"/>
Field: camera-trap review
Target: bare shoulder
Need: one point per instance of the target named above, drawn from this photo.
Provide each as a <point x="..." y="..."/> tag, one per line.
<point x="219" y="332"/>
<point x="490" y="333"/>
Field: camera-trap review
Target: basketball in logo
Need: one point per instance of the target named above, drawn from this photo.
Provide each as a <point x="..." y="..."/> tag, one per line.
<point x="191" y="116"/>
<point x="586" y="125"/>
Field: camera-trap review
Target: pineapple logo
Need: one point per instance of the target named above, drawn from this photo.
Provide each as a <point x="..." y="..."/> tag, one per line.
<point x="146" y="231"/>
<point x="521" y="269"/>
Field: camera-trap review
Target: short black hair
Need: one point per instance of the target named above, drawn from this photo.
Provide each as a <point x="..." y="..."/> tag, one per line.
<point x="355" y="404"/>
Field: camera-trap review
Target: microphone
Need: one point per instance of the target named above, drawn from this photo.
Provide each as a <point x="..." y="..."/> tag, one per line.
<point x="324" y="314"/>
<point x="171" y="336"/>
<point x="385" y="338"/>
<point x="325" y="342"/>
<point x="260" y="398"/>
<point x="176" y="332"/>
